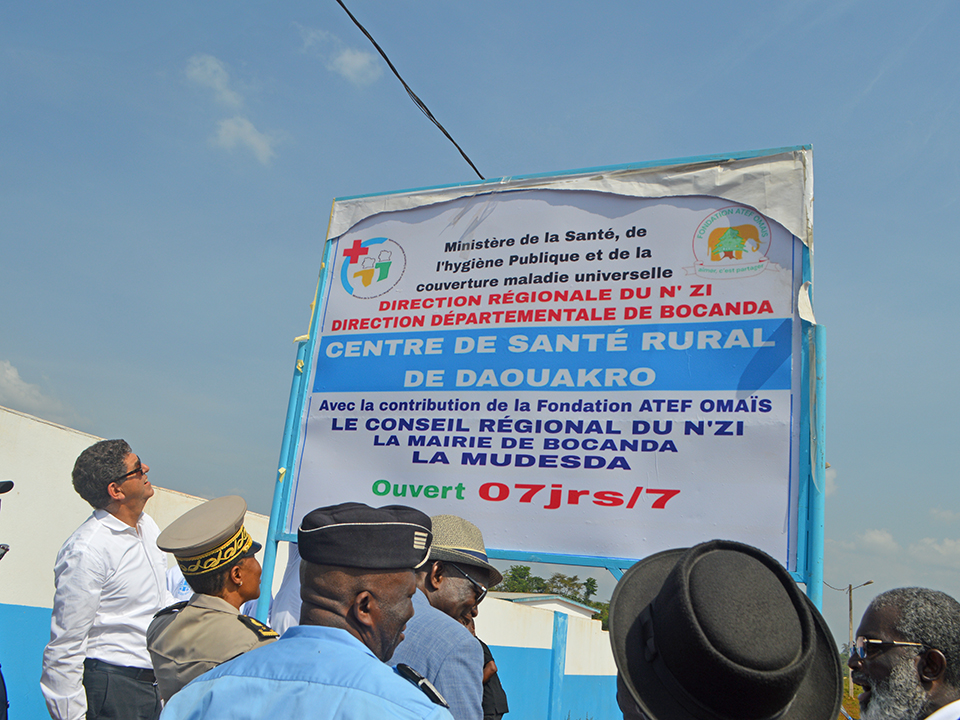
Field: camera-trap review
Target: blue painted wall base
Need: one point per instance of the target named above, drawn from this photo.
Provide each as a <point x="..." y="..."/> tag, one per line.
<point x="524" y="672"/>
<point x="525" y="676"/>
<point x="24" y="632"/>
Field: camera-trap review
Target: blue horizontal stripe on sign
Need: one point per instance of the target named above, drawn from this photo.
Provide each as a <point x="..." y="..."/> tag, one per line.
<point x="736" y="356"/>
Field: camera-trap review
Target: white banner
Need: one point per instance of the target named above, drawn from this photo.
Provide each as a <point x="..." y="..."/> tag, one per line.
<point x="576" y="372"/>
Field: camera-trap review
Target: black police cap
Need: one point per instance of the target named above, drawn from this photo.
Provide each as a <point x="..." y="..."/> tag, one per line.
<point x="352" y="534"/>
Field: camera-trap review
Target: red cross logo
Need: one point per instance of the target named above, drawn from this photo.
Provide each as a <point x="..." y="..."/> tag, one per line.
<point x="355" y="252"/>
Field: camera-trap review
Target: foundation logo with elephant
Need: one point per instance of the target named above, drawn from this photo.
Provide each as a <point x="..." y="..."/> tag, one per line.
<point x="732" y="242"/>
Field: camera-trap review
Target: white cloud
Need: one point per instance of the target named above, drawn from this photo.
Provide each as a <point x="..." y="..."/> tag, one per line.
<point x="871" y="542"/>
<point x="944" y="553"/>
<point x="878" y="541"/>
<point x="312" y="37"/>
<point x="207" y="71"/>
<point x="357" y="66"/>
<point x="238" y="131"/>
<point x="17" y="394"/>
<point x="944" y="515"/>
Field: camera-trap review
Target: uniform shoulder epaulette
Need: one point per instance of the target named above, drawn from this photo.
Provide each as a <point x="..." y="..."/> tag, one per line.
<point x="427" y="687"/>
<point x="175" y="608"/>
<point x="264" y="632"/>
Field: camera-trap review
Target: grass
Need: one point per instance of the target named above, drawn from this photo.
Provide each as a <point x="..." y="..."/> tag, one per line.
<point x="850" y="704"/>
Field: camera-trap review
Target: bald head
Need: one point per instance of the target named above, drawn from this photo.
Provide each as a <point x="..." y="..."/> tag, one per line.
<point x="372" y="605"/>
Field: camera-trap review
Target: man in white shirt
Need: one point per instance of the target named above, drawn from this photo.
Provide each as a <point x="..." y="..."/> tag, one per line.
<point x="907" y="656"/>
<point x="285" y="608"/>
<point x="110" y="580"/>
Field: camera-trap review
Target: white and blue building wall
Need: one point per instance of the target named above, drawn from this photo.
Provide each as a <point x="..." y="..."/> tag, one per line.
<point x="552" y="666"/>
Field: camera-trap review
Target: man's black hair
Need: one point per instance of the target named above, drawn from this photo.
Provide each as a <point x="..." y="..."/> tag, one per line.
<point x="97" y="467"/>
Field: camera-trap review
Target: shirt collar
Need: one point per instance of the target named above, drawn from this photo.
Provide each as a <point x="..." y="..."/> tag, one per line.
<point x="114" y="523"/>
<point x="212" y="602"/>
<point x="334" y="634"/>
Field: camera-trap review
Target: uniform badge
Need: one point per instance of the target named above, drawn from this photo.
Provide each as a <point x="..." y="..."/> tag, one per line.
<point x="264" y="632"/>
<point x="175" y="608"/>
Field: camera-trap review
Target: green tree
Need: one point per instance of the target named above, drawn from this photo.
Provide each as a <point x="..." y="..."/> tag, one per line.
<point x="569" y="586"/>
<point x="519" y="579"/>
<point x="589" y="589"/>
<point x="603" y="613"/>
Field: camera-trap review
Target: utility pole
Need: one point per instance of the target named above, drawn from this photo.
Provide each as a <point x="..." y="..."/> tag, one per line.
<point x="849" y="591"/>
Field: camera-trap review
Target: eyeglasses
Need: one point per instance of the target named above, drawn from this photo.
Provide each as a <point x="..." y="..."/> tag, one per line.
<point x="479" y="590"/>
<point x="862" y="644"/>
<point x="138" y="470"/>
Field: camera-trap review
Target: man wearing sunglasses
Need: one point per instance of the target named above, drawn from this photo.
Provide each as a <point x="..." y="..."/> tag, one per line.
<point x="450" y="586"/>
<point x="907" y="656"/>
<point x="110" y="580"/>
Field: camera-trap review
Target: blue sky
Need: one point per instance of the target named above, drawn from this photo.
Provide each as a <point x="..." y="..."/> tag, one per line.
<point x="166" y="174"/>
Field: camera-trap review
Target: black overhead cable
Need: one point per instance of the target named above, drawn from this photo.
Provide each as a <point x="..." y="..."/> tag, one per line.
<point x="413" y="96"/>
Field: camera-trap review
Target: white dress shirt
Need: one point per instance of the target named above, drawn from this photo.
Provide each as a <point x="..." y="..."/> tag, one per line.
<point x="947" y="712"/>
<point x="285" y="608"/>
<point x="110" y="580"/>
<point x="177" y="584"/>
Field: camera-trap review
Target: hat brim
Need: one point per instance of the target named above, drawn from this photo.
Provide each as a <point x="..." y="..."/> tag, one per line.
<point x="462" y="558"/>
<point x="639" y="586"/>
<point x="254" y="549"/>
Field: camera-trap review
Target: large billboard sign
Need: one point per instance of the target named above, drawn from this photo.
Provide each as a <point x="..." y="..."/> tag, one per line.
<point x="602" y="364"/>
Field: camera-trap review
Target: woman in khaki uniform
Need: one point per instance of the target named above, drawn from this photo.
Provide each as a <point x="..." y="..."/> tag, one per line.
<point x="216" y="555"/>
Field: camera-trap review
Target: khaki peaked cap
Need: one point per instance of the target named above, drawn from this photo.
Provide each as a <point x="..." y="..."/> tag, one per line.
<point x="210" y="537"/>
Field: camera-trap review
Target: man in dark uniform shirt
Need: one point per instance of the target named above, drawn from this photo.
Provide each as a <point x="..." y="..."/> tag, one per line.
<point x="494" y="698"/>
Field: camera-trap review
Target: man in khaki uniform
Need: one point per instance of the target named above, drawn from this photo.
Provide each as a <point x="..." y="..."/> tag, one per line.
<point x="216" y="556"/>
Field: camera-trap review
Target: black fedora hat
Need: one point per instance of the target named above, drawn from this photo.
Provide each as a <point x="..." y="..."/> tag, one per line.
<point x="720" y="631"/>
